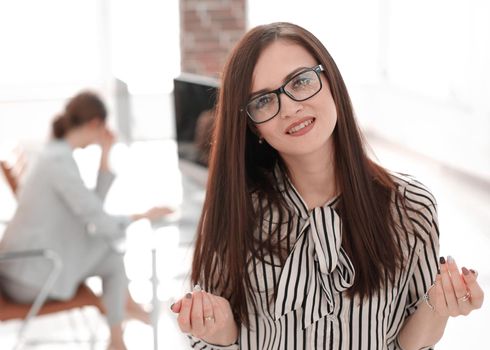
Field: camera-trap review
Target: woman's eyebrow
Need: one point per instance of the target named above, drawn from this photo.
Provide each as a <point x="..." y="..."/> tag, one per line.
<point x="257" y="93"/>
<point x="286" y="78"/>
<point x="290" y="75"/>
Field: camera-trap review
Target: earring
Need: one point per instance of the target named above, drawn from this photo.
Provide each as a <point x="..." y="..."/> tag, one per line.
<point x="261" y="140"/>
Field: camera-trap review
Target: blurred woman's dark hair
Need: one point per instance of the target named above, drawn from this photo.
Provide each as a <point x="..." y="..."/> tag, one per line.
<point x="80" y="109"/>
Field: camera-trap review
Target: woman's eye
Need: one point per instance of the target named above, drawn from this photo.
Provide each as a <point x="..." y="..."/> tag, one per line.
<point x="262" y="101"/>
<point x="301" y="82"/>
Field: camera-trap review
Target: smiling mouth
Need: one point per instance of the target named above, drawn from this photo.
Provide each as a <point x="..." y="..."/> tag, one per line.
<point x="300" y="126"/>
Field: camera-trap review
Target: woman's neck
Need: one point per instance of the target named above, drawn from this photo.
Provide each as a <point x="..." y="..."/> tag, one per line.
<point x="74" y="139"/>
<point x="313" y="175"/>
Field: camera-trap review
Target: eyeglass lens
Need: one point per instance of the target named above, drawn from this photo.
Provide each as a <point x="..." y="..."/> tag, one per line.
<point x="299" y="88"/>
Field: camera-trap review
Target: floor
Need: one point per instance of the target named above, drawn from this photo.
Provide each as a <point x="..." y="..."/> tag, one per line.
<point x="150" y="173"/>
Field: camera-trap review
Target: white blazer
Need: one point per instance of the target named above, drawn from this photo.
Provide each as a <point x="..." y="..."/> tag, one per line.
<point x="56" y="211"/>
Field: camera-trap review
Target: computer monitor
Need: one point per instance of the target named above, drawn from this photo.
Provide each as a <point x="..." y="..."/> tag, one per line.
<point x="195" y="100"/>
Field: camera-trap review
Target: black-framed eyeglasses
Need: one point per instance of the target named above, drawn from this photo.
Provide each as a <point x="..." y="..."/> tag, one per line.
<point x="300" y="87"/>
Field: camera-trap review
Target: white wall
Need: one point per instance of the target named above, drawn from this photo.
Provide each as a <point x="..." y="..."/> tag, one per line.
<point x="51" y="49"/>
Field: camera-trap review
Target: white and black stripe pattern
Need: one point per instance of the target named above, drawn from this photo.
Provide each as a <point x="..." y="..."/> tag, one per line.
<point x="311" y="309"/>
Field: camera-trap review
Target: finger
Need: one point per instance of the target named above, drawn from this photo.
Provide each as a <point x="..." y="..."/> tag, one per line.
<point x="208" y="312"/>
<point x="184" y="318"/>
<point x="175" y="307"/>
<point x="460" y="289"/>
<point x="465" y="305"/>
<point x="219" y="314"/>
<point x="436" y="297"/>
<point x="448" y="289"/>
<point x="476" y="293"/>
<point x="197" y="318"/>
<point x="474" y="272"/>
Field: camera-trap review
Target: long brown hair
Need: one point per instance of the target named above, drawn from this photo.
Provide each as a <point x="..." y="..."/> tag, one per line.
<point x="80" y="109"/>
<point x="240" y="167"/>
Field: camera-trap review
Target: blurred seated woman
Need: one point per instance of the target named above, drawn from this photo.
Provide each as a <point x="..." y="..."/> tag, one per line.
<point x="56" y="211"/>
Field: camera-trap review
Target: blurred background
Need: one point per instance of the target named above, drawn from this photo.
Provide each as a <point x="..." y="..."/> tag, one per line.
<point x="418" y="73"/>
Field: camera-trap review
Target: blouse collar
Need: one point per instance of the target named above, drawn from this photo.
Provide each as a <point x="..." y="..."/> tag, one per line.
<point x="291" y="194"/>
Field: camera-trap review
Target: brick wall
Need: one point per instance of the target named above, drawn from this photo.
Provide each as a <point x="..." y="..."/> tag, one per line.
<point x="209" y="30"/>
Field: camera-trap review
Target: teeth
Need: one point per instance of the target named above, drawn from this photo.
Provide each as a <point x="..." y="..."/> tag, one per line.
<point x="300" y="126"/>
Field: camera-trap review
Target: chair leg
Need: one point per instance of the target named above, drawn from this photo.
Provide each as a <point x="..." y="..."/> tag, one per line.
<point x="156" y="305"/>
<point x="42" y="296"/>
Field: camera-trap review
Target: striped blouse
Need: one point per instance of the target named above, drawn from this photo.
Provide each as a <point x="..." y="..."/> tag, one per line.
<point x="310" y="308"/>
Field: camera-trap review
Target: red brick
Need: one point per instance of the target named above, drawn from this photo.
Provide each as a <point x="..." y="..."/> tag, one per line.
<point x="209" y="29"/>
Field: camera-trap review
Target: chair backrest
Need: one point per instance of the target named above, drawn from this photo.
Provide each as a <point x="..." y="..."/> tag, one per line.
<point x="9" y="176"/>
<point x="13" y="169"/>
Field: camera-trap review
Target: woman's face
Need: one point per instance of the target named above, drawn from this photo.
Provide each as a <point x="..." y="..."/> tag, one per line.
<point x="299" y="128"/>
<point x="92" y="131"/>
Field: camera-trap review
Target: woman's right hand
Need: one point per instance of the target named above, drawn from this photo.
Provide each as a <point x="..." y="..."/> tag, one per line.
<point x="207" y="317"/>
<point x="106" y="139"/>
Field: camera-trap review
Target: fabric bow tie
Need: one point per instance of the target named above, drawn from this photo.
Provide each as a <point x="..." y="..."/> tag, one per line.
<point x="328" y="269"/>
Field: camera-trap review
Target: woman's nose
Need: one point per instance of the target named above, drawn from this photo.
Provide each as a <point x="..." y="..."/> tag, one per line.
<point x="289" y="107"/>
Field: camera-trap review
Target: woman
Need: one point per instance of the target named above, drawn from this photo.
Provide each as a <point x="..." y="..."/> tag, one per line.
<point x="304" y="242"/>
<point x="56" y="211"/>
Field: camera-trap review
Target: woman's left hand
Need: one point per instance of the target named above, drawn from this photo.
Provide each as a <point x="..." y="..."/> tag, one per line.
<point x="156" y="213"/>
<point x="455" y="293"/>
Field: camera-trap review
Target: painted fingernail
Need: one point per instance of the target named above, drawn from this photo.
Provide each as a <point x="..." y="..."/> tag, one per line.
<point x="188" y="295"/>
<point x="450" y="259"/>
<point x="473" y="271"/>
<point x="197" y="288"/>
<point x="442" y="260"/>
<point x="172" y="306"/>
<point x="465" y="271"/>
